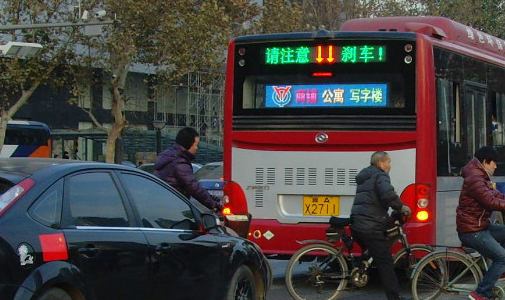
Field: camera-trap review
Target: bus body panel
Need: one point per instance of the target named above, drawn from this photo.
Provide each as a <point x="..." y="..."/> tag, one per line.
<point x="426" y="136"/>
<point x="449" y="189"/>
<point x="447" y="201"/>
<point x="228" y="111"/>
<point x="25" y="151"/>
<point x="437" y="28"/>
<point x="277" y="181"/>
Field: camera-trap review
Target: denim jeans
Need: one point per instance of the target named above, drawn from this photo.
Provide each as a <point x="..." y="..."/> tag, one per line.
<point x="490" y="244"/>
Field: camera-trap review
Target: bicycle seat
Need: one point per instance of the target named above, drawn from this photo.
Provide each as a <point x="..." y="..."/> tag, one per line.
<point x="339" y="222"/>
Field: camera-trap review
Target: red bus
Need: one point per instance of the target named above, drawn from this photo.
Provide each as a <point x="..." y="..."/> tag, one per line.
<point x="27" y="139"/>
<point x="305" y="111"/>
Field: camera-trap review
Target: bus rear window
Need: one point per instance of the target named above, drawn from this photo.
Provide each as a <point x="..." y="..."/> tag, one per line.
<point x="26" y="136"/>
<point x="335" y="77"/>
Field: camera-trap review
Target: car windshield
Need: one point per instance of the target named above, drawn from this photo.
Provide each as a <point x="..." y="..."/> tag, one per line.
<point x="210" y="171"/>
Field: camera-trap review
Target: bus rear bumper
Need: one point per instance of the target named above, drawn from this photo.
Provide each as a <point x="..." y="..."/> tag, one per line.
<point x="282" y="239"/>
<point x="275" y="238"/>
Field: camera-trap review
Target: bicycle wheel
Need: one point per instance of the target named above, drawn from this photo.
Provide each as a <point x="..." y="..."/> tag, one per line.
<point x="445" y="272"/>
<point x="316" y="272"/>
<point x="404" y="264"/>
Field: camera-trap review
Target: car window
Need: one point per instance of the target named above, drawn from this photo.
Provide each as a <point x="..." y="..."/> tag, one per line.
<point x="5" y="186"/>
<point x="158" y="206"/>
<point x="47" y="208"/>
<point x="210" y="172"/>
<point x="94" y="200"/>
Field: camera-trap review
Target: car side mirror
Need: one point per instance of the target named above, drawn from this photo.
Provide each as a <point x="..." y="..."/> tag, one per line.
<point x="210" y="221"/>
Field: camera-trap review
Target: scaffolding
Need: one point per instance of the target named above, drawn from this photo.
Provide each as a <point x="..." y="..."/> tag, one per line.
<point x="199" y="104"/>
<point x="205" y="105"/>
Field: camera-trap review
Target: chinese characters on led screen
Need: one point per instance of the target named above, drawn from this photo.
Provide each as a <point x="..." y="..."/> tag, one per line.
<point x="324" y="54"/>
<point x="327" y="95"/>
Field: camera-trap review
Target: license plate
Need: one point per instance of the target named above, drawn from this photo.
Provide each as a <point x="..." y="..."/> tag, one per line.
<point x="321" y="206"/>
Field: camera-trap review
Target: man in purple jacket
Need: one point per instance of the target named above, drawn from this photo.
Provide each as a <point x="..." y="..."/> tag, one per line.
<point x="174" y="166"/>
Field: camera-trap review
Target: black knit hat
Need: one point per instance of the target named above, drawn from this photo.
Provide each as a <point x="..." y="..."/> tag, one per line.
<point x="186" y="137"/>
<point x="487" y="153"/>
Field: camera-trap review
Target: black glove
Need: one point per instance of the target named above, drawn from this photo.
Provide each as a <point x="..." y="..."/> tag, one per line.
<point x="215" y="198"/>
<point x="405" y="210"/>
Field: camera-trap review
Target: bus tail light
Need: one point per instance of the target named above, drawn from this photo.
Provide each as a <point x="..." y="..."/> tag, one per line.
<point x="416" y="196"/>
<point x="235" y="209"/>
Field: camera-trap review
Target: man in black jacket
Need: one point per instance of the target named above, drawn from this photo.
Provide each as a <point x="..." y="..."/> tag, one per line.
<point x="369" y="215"/>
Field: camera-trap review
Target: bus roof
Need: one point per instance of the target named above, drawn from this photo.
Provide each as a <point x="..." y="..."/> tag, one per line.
<point x="322" y="34"/>
<point x="26" y="122"/>
<point x="440" y="28"/>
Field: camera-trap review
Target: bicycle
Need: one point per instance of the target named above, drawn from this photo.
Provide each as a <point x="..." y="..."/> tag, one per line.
<point x="453" y="271"/>
<point x="322" y="270"/>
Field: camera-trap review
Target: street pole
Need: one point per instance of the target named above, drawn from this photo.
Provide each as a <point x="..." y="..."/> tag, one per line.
<point x="158" y="125"/>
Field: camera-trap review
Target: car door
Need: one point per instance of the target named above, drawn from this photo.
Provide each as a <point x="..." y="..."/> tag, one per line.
<point x="185" y="264"/>
<point x="111" y="254"/>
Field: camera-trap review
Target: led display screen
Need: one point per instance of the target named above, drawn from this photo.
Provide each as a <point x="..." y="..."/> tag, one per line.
<point x="324" y="54"/>
<point x="327" y="95"/>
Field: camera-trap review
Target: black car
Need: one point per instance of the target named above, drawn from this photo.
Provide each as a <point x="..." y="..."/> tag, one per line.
<point x="83" y="230"/>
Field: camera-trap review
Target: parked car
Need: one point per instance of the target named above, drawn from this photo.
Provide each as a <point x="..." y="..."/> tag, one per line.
<point x="149" y="168"/>
<point x="128" y="164"/>
<point x="211" y="178"/>
<point x="86" y="230"/>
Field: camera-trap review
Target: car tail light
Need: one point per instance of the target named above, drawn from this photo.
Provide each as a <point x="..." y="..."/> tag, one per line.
<point x="417" y="197"/>
<point x="235" y="209"/>
<point x="14" y="193"/>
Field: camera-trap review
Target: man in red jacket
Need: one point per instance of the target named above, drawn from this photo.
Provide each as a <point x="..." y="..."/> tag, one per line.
<point x="478" y="199"/>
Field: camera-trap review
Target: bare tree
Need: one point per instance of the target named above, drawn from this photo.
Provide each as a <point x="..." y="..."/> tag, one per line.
<point x="20" y="77"/>
<point x="171" y="37"/>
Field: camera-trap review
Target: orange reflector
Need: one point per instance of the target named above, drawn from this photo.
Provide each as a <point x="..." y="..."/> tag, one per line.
<point x="422" y="215"/>
<point x="54" y="247"/>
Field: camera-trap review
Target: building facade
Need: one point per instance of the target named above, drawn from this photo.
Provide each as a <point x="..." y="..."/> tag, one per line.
<point x="194" y="102"/>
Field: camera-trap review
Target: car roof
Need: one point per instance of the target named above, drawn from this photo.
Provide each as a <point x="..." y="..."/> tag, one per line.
<point x="210" y="171"/>
<point x="15" y="169"/>
<point x="214" y="163"/>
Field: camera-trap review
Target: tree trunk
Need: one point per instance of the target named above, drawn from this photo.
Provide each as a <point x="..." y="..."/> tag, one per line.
<point x="3" y="127"/>
<point x="114" y="133"/>
<point x="118" y="104"/>
<point x="118" y="158"/>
